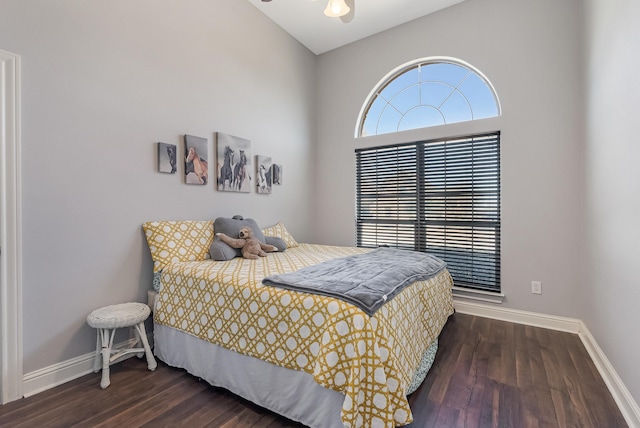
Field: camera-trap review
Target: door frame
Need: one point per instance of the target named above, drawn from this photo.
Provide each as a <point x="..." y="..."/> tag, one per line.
<point x="10" y="230"/>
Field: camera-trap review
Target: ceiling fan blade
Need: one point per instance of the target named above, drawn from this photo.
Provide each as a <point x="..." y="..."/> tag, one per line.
<point x="352" y="13"/>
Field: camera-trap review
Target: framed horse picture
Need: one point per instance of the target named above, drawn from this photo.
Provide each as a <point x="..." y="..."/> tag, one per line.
<point x="233" y="163"/>
<point x="277" y="174"/>
<point x="264" y="174"/>
<point x="196" y="166"/>
<point x="167" y="158"/>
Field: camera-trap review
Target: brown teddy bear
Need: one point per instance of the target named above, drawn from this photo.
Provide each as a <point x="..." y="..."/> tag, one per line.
<point x="251" y="247"/>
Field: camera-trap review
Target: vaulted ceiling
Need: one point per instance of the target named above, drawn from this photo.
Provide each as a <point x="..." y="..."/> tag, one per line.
<point x="305" y="19"/>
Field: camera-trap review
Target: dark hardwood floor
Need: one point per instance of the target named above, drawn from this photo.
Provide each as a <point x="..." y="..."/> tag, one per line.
<point x="487" y="373"/>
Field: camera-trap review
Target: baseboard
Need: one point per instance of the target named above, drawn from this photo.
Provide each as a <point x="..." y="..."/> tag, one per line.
<point x="57" y="374"/>
<point x="627" y="405"/>
<point x="66" y="371"/>
<point x="621" y="394"/>
<point x="569" y="325"/>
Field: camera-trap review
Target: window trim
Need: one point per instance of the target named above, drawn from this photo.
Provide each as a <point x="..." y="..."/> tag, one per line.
<point x="389" y="77"/>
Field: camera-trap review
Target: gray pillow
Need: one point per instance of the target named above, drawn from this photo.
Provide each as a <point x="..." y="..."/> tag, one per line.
<point x="276" y="242"/>
<point x="231" y="226"/>
<point x="221" y="251"/>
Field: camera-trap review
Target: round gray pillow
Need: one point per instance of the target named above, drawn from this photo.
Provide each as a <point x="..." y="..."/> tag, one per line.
<point x="231" y="227"/>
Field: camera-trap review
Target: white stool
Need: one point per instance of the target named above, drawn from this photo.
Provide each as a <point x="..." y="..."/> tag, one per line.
<point x="110" y="318"/>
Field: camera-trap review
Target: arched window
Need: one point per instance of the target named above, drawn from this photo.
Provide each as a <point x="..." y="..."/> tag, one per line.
<point x="427" y="92"/>
<point x="440" y="196"/>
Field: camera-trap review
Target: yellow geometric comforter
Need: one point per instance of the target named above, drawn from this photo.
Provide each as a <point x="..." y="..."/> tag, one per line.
<point x="371" y="360"/>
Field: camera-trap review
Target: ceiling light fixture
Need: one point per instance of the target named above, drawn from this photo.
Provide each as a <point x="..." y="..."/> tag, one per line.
<point x="336" y="8"/>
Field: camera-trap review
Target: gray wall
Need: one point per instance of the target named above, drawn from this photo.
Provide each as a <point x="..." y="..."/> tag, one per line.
<point x="103" y="81"/>
<point x="570" y="95"/>
<point x="613" y="183"/>
<point x="531" y="52"/>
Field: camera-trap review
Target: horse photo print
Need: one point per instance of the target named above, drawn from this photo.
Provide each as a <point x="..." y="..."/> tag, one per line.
<point x="264" y="175"/>
<point x="196" y="167"/>
<point x="234" y="163"/>
<point x="277" y="174"/>
<point x="167" y="158"/>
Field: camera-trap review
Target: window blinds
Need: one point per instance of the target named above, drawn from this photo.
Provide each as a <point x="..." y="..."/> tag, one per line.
<point x="438" y="196"/>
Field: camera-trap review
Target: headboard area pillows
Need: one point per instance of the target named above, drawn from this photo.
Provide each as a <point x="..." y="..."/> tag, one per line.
<point x="178" y="241"/>
<point x="279" y="231"/>
<point x="231" y="226"/>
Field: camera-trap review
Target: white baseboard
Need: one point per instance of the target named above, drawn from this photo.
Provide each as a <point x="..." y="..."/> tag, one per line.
<point x="569" y="325"/>
<point x="621" y="394"/>
<point x="57" y="374"/>
<point x="627" y="405"/>
<point x="66" y="371"/>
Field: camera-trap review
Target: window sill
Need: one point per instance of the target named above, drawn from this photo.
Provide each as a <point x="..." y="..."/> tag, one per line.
<point x="483" y="296"/>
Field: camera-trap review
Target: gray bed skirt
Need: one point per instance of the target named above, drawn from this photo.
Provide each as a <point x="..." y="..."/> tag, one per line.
<point x="290" y="393"/>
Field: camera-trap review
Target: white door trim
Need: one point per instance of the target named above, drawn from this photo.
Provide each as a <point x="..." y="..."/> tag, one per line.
<point x="10" y="230"/>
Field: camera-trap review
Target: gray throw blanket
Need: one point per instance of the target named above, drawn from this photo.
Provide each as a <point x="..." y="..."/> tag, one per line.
<point x="366" y="280"/>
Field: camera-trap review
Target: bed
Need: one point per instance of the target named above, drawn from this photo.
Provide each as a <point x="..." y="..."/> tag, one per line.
<point x="314" y="359"/>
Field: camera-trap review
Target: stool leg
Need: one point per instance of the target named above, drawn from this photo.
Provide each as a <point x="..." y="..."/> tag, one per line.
<point x="137" y="342"/>
<point x="98" y="357"/>
<point x="151" y="362"/>
<point x="106" y="356"/>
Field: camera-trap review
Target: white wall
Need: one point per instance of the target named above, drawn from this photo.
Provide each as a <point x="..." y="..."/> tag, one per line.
<point x="613" y="183"/>
<point x="103" y="81"/>
<point x="531" y="52"/>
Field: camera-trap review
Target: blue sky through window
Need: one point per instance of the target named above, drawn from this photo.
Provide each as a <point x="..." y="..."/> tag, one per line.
<point x="428" y="94"/>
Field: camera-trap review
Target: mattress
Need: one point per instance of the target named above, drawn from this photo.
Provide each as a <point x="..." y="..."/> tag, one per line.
<point x="368" y="361"/>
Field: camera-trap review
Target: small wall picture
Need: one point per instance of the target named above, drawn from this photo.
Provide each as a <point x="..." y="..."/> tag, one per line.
<point x="196" y="166"/>
<point x="167" y="158"/>
<point x="263" y="174"/>
<point x="277" y="174"/>
<point x="233" y="163"/>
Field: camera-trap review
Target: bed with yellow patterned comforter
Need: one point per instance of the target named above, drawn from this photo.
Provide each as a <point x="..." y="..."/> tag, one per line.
<point x="371" y="360"/>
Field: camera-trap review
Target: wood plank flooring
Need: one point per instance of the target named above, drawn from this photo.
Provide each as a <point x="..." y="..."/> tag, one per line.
<point x="487" y="373"/>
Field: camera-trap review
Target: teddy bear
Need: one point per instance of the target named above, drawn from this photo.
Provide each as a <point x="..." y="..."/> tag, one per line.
<point x="250" y="246"/>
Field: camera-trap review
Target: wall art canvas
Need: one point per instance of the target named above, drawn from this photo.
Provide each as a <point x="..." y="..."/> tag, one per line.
<point x="233" y="163"/>
<point x="196" y="166"/>
<point x="167" y="158"/>
<point x="263" y="174"/>
<point x="277" y="174"/>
